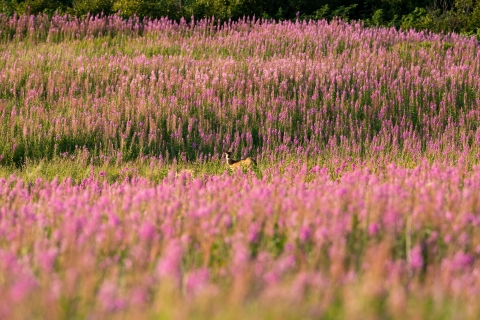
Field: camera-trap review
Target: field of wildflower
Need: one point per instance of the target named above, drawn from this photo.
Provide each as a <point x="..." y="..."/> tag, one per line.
<point x="115" y="201"/>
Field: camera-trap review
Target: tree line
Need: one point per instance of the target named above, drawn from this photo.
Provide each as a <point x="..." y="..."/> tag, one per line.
<point x="461" y="16"/>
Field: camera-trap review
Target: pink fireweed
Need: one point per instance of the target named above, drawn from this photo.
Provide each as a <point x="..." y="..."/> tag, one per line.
<point x="83" y="242"/>
<point x="190" y="91"/>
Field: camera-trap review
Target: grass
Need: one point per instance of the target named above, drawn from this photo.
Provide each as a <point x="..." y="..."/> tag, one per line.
<point x="174" y="92"/>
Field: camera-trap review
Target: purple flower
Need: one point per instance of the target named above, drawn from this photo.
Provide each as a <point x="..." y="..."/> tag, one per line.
<point x="109" y="298"/>
<point x="373" y="229"/>
<point x="147" y="231"/>
<point x="196" y="281"/>
<point x="254" y="232"/>
<point x="169" y="264"/>
<point x="416" y="257"/>
<point x="304" y="233"/>
<point x="46" y="259"/>
<point x="241" y="257"/>
<point x="139" y="296"/>
<point x="462" y="260"/>
<point x="271" y="278"/>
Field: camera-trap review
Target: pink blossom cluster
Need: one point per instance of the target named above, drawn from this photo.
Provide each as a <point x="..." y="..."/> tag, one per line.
<point x="191" y="90"/>
<point x="402" y="240"/>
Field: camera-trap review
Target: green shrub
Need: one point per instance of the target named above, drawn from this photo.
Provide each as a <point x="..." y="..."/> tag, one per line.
<point x="343" y="12"/>
<point x="419" y="19"/>
<point x="7" y="7"/>
<point x="240" y="8"/>
<point x="150" y="8"/>
<point x="41" y="6"/>
<point x="461" y="16"/>
<point x="474" y="18"/>
<point x="94" y="7"/>
<point x="210" y="8"/>
<point x="377" y="17"/>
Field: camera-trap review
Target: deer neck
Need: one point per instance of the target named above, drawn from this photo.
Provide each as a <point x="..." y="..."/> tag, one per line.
<point x="230" y="161"/>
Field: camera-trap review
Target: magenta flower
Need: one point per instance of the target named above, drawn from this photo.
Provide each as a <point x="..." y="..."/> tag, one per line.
<point x="253" y="232"/>
<point x="304" y="233"/>
<point x="373" y="229"/>
<point x="47" y="259"/>
<point x="462" y="261"/>
<point x="147" y="231"/>
<point x="22" y="287"/>
<point x="169" y="264"/>
<point x="196" y="281"/>
<point x="109" y="298"/>
<point x="416" y="257"/>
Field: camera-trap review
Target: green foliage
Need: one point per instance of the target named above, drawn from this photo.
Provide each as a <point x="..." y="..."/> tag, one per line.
<point x="41" y="6"/>
<point x="240" y="8"/>
<point x="462" y="16"/>
<point x="8" y="7"/>
<point x="377" y="17"/>
<point x="474" y="18"/>
<point x="343" y="12"/>
<point x="210" y="8"/>
<point x="419" y="19"/>
<point x="94" y="7"/>
<point x="150" y="8"/>
<point x="327" y="12"/>
<point x="322" y="12"/>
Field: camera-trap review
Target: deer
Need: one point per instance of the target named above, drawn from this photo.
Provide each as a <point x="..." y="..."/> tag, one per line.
<point x="246" y="163"/>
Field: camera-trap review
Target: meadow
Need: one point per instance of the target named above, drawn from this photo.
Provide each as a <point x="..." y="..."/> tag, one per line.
<point x="116" y="203"/>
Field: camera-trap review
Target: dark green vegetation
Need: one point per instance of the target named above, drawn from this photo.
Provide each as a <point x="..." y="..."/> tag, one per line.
<point x="461" y="16"/>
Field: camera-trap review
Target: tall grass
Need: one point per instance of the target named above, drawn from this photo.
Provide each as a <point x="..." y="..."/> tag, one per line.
<point x="291" y="244"/>
<point x="125" y="88"/>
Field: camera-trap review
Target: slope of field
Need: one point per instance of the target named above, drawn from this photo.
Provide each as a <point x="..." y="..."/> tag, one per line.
<point x="292" y="245"/>
<point x="123" y="89"/>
